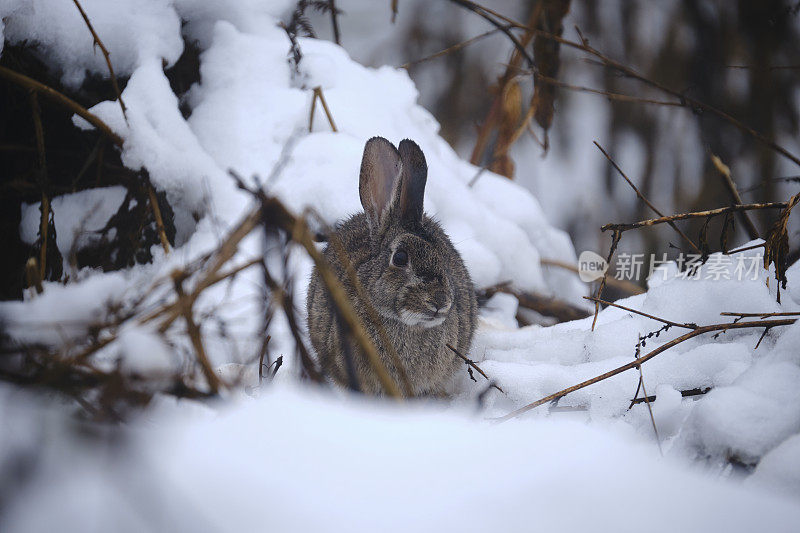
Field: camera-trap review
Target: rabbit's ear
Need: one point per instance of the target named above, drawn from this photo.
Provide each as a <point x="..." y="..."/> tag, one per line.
<point x="379" y="179"/>
<point x="413" y="177"/>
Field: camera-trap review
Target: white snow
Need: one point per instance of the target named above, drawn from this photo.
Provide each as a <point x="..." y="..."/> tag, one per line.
<point x="131" y="30"/>
<point x="144" y="352"/>
<point x="80" y="217"/>
<point x="301" y="461"/>
<point x="63" y="312"/>
<point x="779" y="470"/>
<point x="280" y="456"/>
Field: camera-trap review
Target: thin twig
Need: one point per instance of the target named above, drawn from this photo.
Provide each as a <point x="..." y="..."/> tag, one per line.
<point x="725" y="172"/>
<point x="334" y="21"/>
<point x="745" y="249"/>
<point x="761" y="315"/>
<point x="640" y="360"/>
<point x="94" y="347"/>
<point x="645" y="200"/>
<point x="313" y="110"/>
<point x="607" y="94"/>
<point x="650" y="409"/>
<point x="193" y="330"/>
<point x="278" y="363"/>
<point x="281" y="296"/>
<point x="211" y="277"/>
<point x="615" y="238"/>
<point x="212" y="280"/>
<point x="478" y="174"/>
<point x="636" y="398"/>
<point x="794" y="179"/>
<point x="98" y="42"/>
<point x="684" y="325"/>
<point x="761" y="338"/>
<point x="226" y="251"/>
<point x="502" y="17"/>
<point x="162" y="234"/>
<point x="450" y="49"/>
<point x="263" y="353"/>
<point x="318" y="94"/>
<point x="474" y="365"/>
<point x="697" y="214"/>
<point x="488" y="16"/>
<point x="760" y="67"/>
<point x="89" y="160"/>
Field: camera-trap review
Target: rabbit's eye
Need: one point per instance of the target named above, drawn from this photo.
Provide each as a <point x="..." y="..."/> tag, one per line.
<point x="400" y="258"/>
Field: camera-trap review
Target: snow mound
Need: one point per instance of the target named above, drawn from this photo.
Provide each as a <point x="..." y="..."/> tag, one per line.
<point x="131" y="30"/>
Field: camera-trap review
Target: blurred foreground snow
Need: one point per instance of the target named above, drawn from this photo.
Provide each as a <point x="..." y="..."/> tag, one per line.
<point x="301" y="461"/>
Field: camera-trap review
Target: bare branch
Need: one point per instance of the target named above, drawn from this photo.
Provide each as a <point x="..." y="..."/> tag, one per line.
<point x="640" y="360"/>
<point x="698" y="214"/>
<point x="162" y="234"/>
<point x="474" y="365"/>
<point x="318" y="95"/>
<point x="641" y="313"/>
<point x="725" y="172"/>
<point x="544" y="305"/>
<point x="106" y="55"/>
<point x="193" y="330"/>
<point x="57" y="97"/>
<point x="450" y="49"/>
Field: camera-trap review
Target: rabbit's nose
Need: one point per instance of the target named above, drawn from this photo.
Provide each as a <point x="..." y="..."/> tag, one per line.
<point x="430" y="278"/>
<point x="439" y="300"/>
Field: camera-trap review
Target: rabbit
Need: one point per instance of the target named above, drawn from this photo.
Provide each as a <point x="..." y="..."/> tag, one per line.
<point x="416" y="280"/>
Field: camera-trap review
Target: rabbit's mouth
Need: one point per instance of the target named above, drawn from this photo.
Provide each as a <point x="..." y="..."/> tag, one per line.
<point x="430" y="319"/>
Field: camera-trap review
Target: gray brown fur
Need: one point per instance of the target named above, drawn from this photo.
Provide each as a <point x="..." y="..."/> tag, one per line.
<point x="391" y="186"/>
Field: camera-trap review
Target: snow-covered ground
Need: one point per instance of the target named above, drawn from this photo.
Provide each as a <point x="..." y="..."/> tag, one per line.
<point x="302" y="461"/>
<point x="285" y="456"/>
